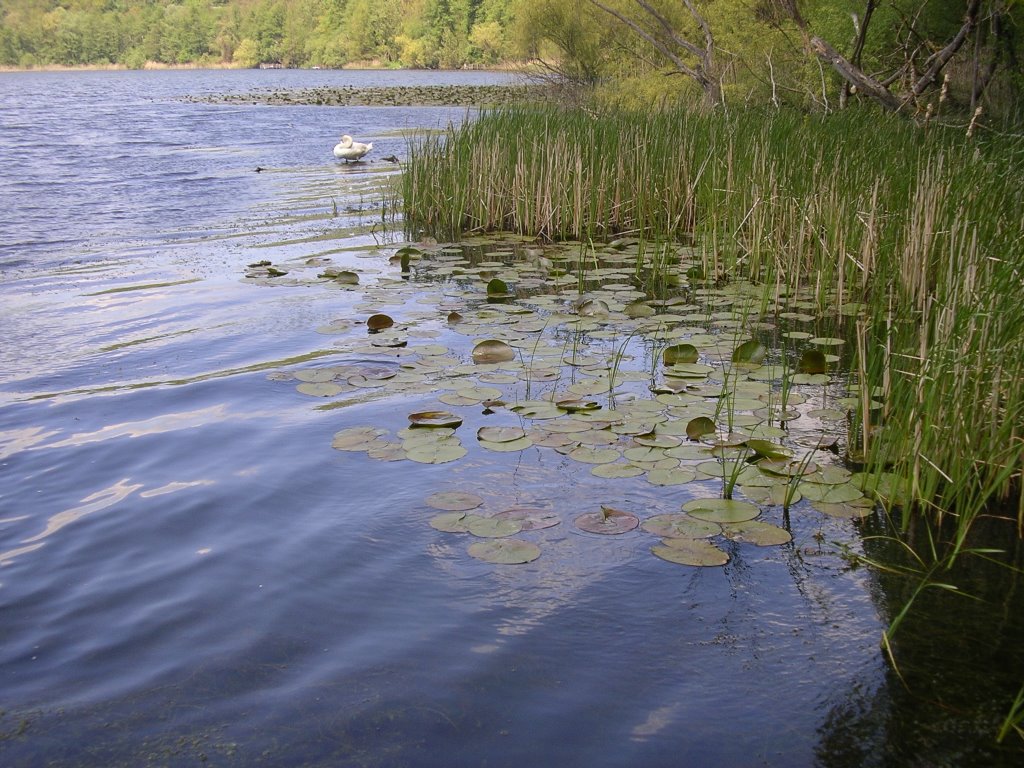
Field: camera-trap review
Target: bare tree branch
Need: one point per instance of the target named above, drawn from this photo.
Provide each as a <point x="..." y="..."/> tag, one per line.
<point x="878" y="90"/>
<point x="702" y="72"/>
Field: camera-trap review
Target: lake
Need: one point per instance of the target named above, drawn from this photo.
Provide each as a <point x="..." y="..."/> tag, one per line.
<point x="190" y="573"/>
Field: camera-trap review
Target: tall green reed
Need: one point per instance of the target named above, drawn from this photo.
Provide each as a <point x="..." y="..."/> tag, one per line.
<point x="923" y="228"/>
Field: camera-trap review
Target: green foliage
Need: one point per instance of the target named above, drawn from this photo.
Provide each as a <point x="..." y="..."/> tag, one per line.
<point x="327" y="33"/>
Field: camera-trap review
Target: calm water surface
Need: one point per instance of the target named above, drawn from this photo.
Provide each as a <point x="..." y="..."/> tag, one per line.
<point x="191" y="574"/>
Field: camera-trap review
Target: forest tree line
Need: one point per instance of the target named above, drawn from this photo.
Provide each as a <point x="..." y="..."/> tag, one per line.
<point x="909" y="55"/>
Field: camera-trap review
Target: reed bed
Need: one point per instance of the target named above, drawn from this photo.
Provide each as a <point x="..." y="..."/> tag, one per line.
<point x="924" y="228"/>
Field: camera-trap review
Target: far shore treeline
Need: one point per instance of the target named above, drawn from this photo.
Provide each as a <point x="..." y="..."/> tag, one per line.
<point x="926" y="58"/>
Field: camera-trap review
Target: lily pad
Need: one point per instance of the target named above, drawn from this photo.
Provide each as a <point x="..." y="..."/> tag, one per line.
<point x="497" y="288"/>
<point x="855" y="508"/>
<point x="500" y="434"/>
<point x="504" y="551"/>
<point x="700" y="426"/>
<point x="453" y="501"/>
<point x="356" y="438"/>
<point x="379" y="322"/>
<point x="749" y="352"/>
<point x="674" y="476"/>
<point x="757" y="532"/>
<point x="530" y="519"/>
<point x="787" y="467"/>
<point x="721" y="510"/>
<point x="435" y="453"/>
<point x="320" y="389"/>
<point x="768" y="449"/>
<point x="588" y="455"/>
<point x="830" y="493"/>
<point x="492" y="527"/>
<point x="576" y="405"/>
<point x="450" y="522"/>
<point x="654" y="440"/>
<point x="675" y="524"/>
<point x="493" y="351"/>
<point x="435" y="419"/>
<point x="608" y="521"/>
<point x="812" y="361"/>
<point x="537" y="410"/>
<point x="890" y="489"/>
<point x="696" y="552"/>
<point x="680" y="353"/>
<point x="616" y="471"/>
<point x="507" y="446"/>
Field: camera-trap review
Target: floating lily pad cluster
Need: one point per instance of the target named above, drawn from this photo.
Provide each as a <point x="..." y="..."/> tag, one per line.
<point x="567" y="349"/>
<point x="685" y="536"/>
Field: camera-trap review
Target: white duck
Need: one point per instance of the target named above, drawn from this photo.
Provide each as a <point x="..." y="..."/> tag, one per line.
<point x="347" y="149"/>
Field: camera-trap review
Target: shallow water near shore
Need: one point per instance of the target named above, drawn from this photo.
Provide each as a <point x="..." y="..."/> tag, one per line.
<point x="190" y="572"/>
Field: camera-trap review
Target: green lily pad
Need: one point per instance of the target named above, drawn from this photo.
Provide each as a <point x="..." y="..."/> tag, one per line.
<point x="768" y="449"/>
<point x="890" y="489"/>
<point x="637" y="309"/>
<point x="344" y="276"/>
<point x="537" y="410"/>
<point x="607" y="521"/>
<point x="492" y="527"/>
<point x="320" y="389"/>
<point x="688" y="452"/>
<point x="450" y="522"/>
<point x="855" y="508"/>
<point x="616" y="471"/>
<point x="530" y="519"/>
<point x="500" y="434"/>
<point x="688" y="371"/>
<point x="829" y="475"/>
<point x="812" y="361"/>
<point x="435" y="419"/>
<point x="772" y="495"/>
<point x="575" y="405"/>
<point x="507" y="446"/>
<point x="845" y="492"/>
<point x="674" y="476"/>
<point x="787" y="467"/>
<point x="435" y="453"/>
<point x="356" y="438"/>
<point x="379" y="322"/>
<point x="757" y="532"/>
<point x="504" y="551"/>
<point x="497" y="288"/>
<point x="453" y="501"/>
<point x="587" y="455"/>
<point x="696" y="552"/>
<point x="654" y="440"/>
<point x="316" y="375"/>
<point x="810" y="378"/>
<point x="675" y="524"/>
<point x="680" y="353"/>
<point x="721" y="510"/>
<point x="749" y="352"/>
<point x="700" y="426"/>
<point x="493" y="351"/>
<point x="592" y="308"/>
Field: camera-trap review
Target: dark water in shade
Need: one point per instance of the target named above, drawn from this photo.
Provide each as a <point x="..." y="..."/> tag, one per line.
<point x="190" y="574"/>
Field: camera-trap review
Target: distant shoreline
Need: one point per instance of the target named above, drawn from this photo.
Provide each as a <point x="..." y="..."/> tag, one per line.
<point x="157" y="66"/>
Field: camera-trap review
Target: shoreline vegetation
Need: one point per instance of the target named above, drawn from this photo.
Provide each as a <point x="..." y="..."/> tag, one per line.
<point x="157" y="66"/>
